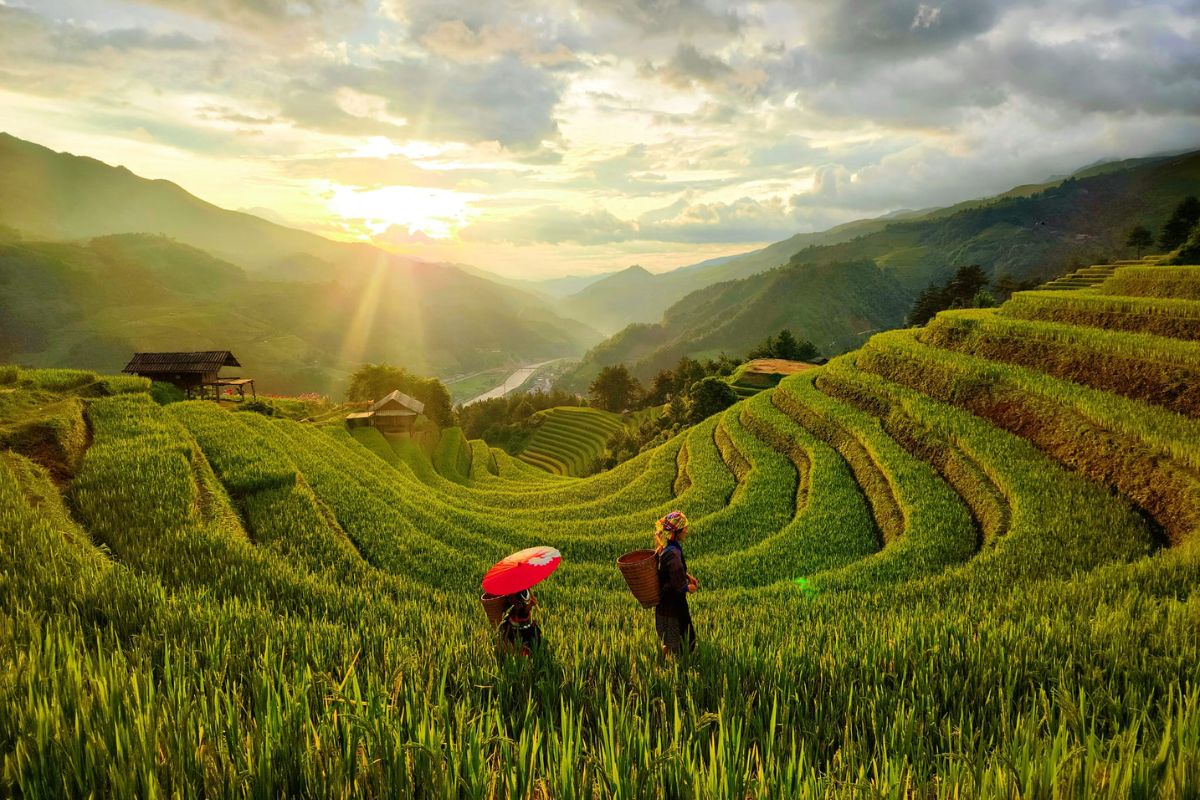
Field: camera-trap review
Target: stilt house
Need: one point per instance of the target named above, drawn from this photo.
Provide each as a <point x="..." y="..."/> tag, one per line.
<point x="395" y="413"/>
<point x="197" y="374"/>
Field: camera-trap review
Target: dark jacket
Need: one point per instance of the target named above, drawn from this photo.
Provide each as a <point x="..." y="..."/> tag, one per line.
<point x="672" y="580"/>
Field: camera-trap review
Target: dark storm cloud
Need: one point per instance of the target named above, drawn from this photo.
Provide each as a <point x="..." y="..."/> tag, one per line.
<point x="504" y="101"/>
<point x="689" y="66"/>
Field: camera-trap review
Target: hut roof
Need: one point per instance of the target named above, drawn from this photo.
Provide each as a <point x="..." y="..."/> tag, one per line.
<point x="398" y="398"/>
<point x="204" y="361"/>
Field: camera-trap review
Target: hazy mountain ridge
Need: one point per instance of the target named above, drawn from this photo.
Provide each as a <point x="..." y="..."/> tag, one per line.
<point x="146" y="265"/>
<point x="1031" y="231"/>
<point x="618" y="300"/>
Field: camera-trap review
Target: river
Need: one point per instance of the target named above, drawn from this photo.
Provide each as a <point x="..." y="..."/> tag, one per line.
<point x="511" y="383"/>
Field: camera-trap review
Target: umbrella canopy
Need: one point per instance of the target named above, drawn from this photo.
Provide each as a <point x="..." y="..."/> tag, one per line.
<point x="521" y="570"/>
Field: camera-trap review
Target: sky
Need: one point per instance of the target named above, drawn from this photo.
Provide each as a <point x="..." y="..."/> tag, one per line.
<point x="538" y="138"/>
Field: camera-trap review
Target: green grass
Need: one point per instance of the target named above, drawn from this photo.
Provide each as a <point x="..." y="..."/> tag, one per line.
<point x="959" y="562"/>
<point x="568" y="439"/>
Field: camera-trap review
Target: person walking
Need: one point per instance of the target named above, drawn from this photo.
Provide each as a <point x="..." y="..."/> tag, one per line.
<point x="672" y="617"/>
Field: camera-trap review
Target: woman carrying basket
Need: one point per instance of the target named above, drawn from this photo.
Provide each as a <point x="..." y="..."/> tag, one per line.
<point x="519" y="632"/>
<point x="672" y="618"/>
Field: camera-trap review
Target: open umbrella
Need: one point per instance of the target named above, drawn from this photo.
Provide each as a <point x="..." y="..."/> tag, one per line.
<point x="521" y="570"/>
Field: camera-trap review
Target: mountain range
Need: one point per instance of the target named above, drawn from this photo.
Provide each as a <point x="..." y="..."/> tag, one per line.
<point x="836" y="287"/>
<point x="96" y="262"/>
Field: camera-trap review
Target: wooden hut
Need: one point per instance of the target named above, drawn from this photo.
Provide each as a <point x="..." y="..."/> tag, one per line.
<point x="395" y="413"/>
<point x="197" y="374"/>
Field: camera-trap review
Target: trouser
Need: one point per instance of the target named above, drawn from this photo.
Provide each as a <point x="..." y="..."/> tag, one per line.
<point x="673" y="628"/>
<point x="520" y="639"/>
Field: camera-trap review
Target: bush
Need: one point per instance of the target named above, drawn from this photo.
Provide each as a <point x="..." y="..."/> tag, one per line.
<point x="164" y="393"/>
<point x="264" y="407"/>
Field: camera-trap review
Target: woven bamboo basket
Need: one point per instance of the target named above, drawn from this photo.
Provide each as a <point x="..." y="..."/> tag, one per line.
<point x="493" y="606"/>
<point x="640" y="570"/>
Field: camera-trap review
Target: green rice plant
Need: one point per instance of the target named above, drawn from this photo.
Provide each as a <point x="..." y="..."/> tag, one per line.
<point x="451" y="458"/>
<point x="937" y="528"/>
<point x="242" y="460"/>
<point x="1180" y="283"/>
<point x="1165" y="372"/>
<point x="9" y="374"/>
<point x="53" y="433"/>
<point x="1144" y="452"/>
<point x="1178" y="319"/>
<point x="57" y="380"/>
<point x="1047" y="521"/>
<point x="123" y="384"/>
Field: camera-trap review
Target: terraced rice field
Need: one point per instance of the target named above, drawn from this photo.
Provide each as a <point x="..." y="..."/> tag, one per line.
<point x="569" y="439"/>
<point x="959" y="562"/>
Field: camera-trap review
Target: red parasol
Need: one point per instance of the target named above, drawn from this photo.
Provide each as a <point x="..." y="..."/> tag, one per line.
<point x="521" y="570"/>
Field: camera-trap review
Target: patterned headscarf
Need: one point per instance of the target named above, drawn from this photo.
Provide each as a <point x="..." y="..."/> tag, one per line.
<point x="666" y="528"/>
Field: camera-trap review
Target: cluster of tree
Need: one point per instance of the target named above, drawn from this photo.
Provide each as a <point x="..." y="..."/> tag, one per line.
<point x="1175" y="233"/>
<point x="504" y="421"/>
<point x="690" y="393"/>
<point x="373" y="381"/>
<point x="969" y="287"/>
<point x="616" y="389"/>
<point x="785" y="346"/>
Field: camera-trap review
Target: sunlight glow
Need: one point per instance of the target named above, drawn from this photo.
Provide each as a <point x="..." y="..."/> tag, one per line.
<point x="436" y="213"/>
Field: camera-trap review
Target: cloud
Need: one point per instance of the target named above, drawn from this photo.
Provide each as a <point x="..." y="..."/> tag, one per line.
<point x="926" y="16"/>
<point x="266" y="15"/>
<point x="671" y="17"/>
<point x="504" y="101"/>
<point x="689" y="66"/>
<point x="548" y="224"/>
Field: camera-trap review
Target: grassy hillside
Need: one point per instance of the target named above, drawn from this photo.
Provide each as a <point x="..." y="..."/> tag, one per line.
<point x="1030" y="232"/>
<point x="963" y="560"/>
<point x="92" y="304"/>
<point x="51" y="195"/>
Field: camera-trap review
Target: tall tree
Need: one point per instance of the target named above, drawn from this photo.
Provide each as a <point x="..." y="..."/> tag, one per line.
<point x="614" y="389"/>
<point x="1140" y="238"/>
<point x="764" y="350"/>
<point x="1180" y="225"/>
<point x="1189" y="252"/>
<point x="787" y="346"/>
<point x="708" y="397"/>
<point x="662" y="388"/>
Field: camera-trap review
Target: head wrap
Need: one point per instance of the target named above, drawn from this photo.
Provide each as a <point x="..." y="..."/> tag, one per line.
<point x="666" y="528"/>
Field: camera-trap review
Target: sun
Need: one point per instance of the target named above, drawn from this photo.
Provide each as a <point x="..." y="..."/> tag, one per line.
<point x="422" y="212"/>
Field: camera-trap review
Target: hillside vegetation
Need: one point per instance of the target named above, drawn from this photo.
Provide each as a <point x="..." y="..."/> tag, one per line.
<point x="1031" y="232"/>
<point x="960" y="561"/>
<point x="93" y="304"/>
<point x="96" y="263"/>
<point x="568" y="440"/>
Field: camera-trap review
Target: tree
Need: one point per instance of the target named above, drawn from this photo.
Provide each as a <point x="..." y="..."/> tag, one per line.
<point x="959" y="292"/>
<point x="787" y="346"/>
<point x="1140" y="237"/>
<point x="709" y="396"/>
<point x="687" y="372"/>
<point x="1189" y="253"/>
<point x="928" y="303"/>
<point x="965" y="284"/>
<point x="614" y="389"/>
<point x="661" y="389"/>
<point x="764" y="350"/>
<point x="677" y="410"/>
<point x="1180" y="225"/>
